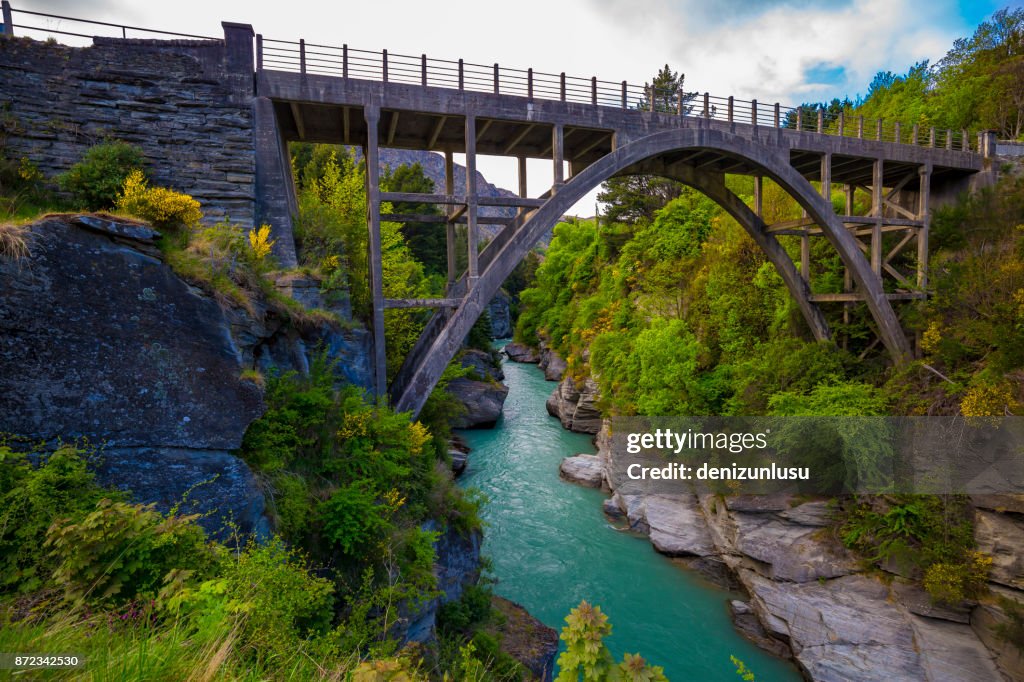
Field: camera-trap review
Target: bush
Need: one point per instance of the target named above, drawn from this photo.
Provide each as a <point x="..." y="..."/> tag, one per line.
<point x="31" y="498"/>
<point x="97" y="179"/>
<point x="953" y="582"/>
<point x="122" y="551"/>
<point x="163" y="208"/>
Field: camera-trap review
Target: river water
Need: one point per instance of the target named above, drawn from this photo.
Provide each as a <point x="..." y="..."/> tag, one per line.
<point x="552" y="547"/>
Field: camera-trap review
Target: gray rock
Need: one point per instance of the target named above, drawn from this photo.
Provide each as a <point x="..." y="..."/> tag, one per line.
<point x="520" y="352"/>
<point x="986" y="619"/>
<point x="918" y="602"/>
<point x="586" y="470"/>
<point x="483" y="364"/>
<point x="677" y="526"/>
<point x="951" y="651"/>
<point x="575" y="406"/>
<point x="775" y="502"/>
<point x="612" y="509"/>
<point x="459" y="461"/>
<point x="746" y="622"/>
<point x="816" y="514"/>
<point x="483" y="401"/>
<point x="501" y="317"/>
<point x="216" y="485"/>
<point x="785" y="551"/>
<point x="1003" y="538"/>
<point x="555" y="367"/>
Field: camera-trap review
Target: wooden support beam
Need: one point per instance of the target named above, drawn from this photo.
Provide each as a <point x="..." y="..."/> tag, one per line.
<point x="393" y="128"/>
<point x="372" y="156"/>
<point x="856" y="296"/>
<point x="925" y="216"/>
<point x="436" y="132"/>
<point x="557" y="155"/>
<point x="877" y="175"/>
<point x="300" y="126"/>
<point x="472" y="230"/>
<point x="517" y="139"/>
<point x="899" y="246"/>
<point x="421" y="302"/>
<point x="456" y="199"/>
<point x="758" y="199"/>
<point x="899" y="209"/>
<point x="483" y="129"/>
<point x="449" y="189"/>
<point x="434" y="218"/>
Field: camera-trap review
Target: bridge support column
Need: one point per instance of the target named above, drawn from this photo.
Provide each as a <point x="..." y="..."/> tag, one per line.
<point x="372" y="155"/>
<point x="473" y="268"/>
<point x="758" y="199"/>
<point x="449" y="189"/>
<point x="557" y="156"/>
<point x="877" y="211"/>
<point x="924" y="215"/>
<point x="523" y="192"/>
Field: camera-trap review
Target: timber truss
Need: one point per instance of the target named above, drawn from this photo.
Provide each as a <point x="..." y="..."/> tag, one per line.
<point x="601" y="130"/>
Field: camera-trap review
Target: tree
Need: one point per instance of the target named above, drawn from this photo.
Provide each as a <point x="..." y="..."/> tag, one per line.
<point x="427" y="241"/>
<point x="668" y="93"/>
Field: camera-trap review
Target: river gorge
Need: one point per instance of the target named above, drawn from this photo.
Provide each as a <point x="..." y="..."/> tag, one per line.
<point x="551" y="547"/>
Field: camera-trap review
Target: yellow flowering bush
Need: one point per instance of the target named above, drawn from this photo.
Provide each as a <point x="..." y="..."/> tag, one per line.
<point x="161" y="207"/>
<point x="951" y="583"/>
<point x="260" y="242"/>
<point x="986" y="400"/>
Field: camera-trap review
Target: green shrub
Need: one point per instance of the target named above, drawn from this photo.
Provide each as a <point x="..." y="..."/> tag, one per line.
<point x="353" y="517"/>
<point x="31" y="498"/>
<point x="99" y="177"/>
<point x="122" y="551"/>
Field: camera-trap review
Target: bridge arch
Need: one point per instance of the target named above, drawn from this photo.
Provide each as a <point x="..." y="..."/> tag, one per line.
<point x="429" y="358"/>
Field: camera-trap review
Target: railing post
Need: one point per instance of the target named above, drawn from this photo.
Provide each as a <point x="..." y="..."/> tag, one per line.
<point x="707" y="105"/>
<point x="753" y="112"/>
<point x="462" y="76"/>
<point x="949" y="139"/>
<point x="981" y="142"/>
<point x="384" y="64"/>
<point x="623" y="94"/>
<point x="730" y="108"/>
<point x="916" y="132"/>
<point x="423" y="70"/>
<point x="650" y="98"/>
<point x="259" y="51"/>
<point x="878" y="129"/>
<point x="302" y="56"/>
<point x="778" y="117"/>
<point x="529" y="84"/>
<point x="800" y="118"/>
<point x="860" y="127"/>
<point x="898" y="133"/>
<point x="8" y="19"/>
<point x="842" y="123"/>
<point x="344" y="60"/>
<point x="496" y="88"/>
<point x="965" y="145"/>
<point x="562" y="86"/>
<point x="679" y="102"/>
<point x="821" y="120"/>
<point x="593" y="90"/>
<point x="931" y="137"/>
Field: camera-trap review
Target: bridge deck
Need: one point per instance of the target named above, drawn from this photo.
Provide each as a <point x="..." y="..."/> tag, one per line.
<point x="319" y="108"/>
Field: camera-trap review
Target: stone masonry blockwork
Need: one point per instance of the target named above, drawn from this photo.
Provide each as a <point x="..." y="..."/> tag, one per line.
<point x="171" y="98"/>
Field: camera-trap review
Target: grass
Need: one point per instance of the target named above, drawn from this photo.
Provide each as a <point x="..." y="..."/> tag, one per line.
<point x="13" y="241"/>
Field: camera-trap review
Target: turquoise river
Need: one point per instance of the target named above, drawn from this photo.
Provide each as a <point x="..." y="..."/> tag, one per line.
<point x="551" y="547"/>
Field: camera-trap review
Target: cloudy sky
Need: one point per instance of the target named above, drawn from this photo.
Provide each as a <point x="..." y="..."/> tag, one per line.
<point x="789" y="51"/>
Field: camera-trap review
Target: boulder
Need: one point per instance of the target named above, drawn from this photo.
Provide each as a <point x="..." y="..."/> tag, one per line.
<point x="555" y="366"/>
<point x="786" y="551"/>
<point x="459" y="461"/>
<point x="483" y="401"/>
<point x="520" y="352"/>
<point x="575" y="406"/>
<point x="526" y="639"/>
<point x="586" y="470"/>
<point x="482" y="363"/>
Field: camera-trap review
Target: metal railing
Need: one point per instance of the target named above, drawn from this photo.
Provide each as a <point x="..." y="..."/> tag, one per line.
<point x="24" y="20"/>
<point x="315" y="59"/>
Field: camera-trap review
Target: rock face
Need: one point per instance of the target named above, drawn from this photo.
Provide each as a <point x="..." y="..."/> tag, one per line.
<point x="176" y="99"/>
<point x="575" y="406"/>
<point x="456" y="567"/>
<point x="526" y="639"/>
<point x="552" y="364"/>
<point x="485" y="365"/>
<point x="807" y="598"/>
<point x="99" y="339"/>
<point x="587" y="470"/>
<point x="501" y="316"/>
<point x="519" y="352"/>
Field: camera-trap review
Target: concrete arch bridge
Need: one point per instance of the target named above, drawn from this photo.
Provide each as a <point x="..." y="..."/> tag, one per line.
<point x="600" y="130"/>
